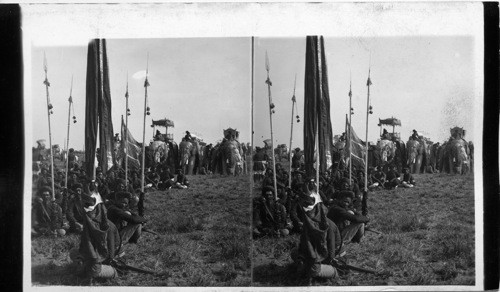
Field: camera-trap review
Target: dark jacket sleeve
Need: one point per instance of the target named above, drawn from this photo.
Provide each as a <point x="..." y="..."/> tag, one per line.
<point x="121" y="214"/>
<point x="339" y="214"/>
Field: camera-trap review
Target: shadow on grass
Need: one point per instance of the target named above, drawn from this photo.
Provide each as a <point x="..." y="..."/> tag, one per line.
<point x="271" y="274"/>
<point x="51" y="274"/>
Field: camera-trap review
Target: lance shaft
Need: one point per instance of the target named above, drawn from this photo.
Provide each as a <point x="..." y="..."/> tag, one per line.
<point x="47" y="84"/>
<point x="67" y="142"/>
<point x="368" y="83"/>
<point x="252" y="98"/>
<point x="349" y="135"/>
<point x="144" y="133"/>
<point x="291" y="137"/>
<point x="268" y="81"/>
<point x="320" y="61"/>
<point x="290" y="149"/>
<point x="126" y="137"/>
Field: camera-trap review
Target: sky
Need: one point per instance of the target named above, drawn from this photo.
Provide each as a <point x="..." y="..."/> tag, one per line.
<point x="202" y="84"/>
<point x="426" y="82"/>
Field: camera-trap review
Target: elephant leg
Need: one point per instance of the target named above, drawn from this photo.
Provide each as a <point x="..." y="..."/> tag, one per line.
<point x="451" y="167"/>
<point x="191" y="165"/>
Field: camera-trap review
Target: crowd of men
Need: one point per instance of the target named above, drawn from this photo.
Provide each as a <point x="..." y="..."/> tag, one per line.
<point x="107" y="212"/>
<point x="327" y="220"/>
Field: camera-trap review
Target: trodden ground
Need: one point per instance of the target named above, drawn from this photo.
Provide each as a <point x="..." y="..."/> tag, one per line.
<point x="205" y="240"/>
<point x="428" y="239"/>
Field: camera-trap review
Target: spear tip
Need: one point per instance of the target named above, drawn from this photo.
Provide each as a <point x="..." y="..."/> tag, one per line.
<point x="267" y="62"/>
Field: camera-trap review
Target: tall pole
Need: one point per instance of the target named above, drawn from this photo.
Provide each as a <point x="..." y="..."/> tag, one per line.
<point x="146" y="111"/>
<point x="291" y="134"/>
<point x="368" y="112"/>
<point x="251" y="144"/>
<point x="271" y="111"/>
<point x="70" y="101"/>
<point x="127" y="113"/>
<point x="349" y="130"/>
<point x="49" y="112"/>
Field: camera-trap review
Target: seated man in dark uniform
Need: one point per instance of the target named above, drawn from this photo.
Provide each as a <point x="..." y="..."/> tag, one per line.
<point x="129" y="224"/>
<point x="350" y="223"/>
<point x="269" y="216"/>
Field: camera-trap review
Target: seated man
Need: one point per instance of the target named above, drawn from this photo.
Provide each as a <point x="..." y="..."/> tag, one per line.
<point x="320" y="240"/>
<point x="408" y="181"/>
<point x="99" y="242"/>
<point x="392" y="178"/>
<point x="47" y="214"/>
<point x="182" y="181"/>
<point x="269" y="216"/>
<point x="75" y="212"/>
<point x="378" y="178"/>
<point x="167" y="179"/>
<point x="129" y="225"/>
<point x="350" y="223"/>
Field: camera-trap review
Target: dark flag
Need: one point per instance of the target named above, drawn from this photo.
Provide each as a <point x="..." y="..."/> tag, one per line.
<point x="98" y="108"/>
<point x="317" y="107"/>
<point x="133" y="148"/>
<point x="358" y="149"/>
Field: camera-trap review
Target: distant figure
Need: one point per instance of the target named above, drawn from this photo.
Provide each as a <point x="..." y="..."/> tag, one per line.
<point x="414" y="136"/>
<point x="385" y="135"/>
<point x="408" y="181"/>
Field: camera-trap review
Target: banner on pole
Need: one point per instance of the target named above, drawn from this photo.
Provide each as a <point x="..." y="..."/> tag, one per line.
<point x="133" y="148"/>
<point x="98" y="109"/>
<point x="358" y="151"/>
<point x="317" y="107"/>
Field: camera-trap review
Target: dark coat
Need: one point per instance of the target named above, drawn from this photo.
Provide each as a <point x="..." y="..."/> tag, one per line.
<point x="320" y="239"/>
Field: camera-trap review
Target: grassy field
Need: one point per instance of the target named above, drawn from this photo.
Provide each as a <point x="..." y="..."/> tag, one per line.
<point x="205" y="240"/>
<point x="428" y="239"/>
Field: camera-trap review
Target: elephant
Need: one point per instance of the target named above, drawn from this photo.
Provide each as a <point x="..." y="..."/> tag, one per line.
<point x="471" y="156"/>
<point x="456" y="156"/>
<point x="386" y="151"/>
<point x="416" y="155"/>
<point x="188" y="153"/>
<point x="434" y="156"/>
<point x="232" y="161"/>
<point x="281" y="152"/>
<point x="160" y="152"/>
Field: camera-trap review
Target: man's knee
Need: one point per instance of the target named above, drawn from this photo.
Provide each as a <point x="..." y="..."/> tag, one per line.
<point x="101" y="271"/>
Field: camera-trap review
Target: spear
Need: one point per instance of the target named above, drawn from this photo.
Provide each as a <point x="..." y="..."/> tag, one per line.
<point x="349" y="129"/>
<point x="271" y="111"/>
<point x="252" y="96"/>
<point x="146" y="112"/>
<point x="291" y="133"/>
<point x="127" y="113"/>
<point x="368" y="112"/>
<point x="70" y="103"/>
<point x="49" y="112"/>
